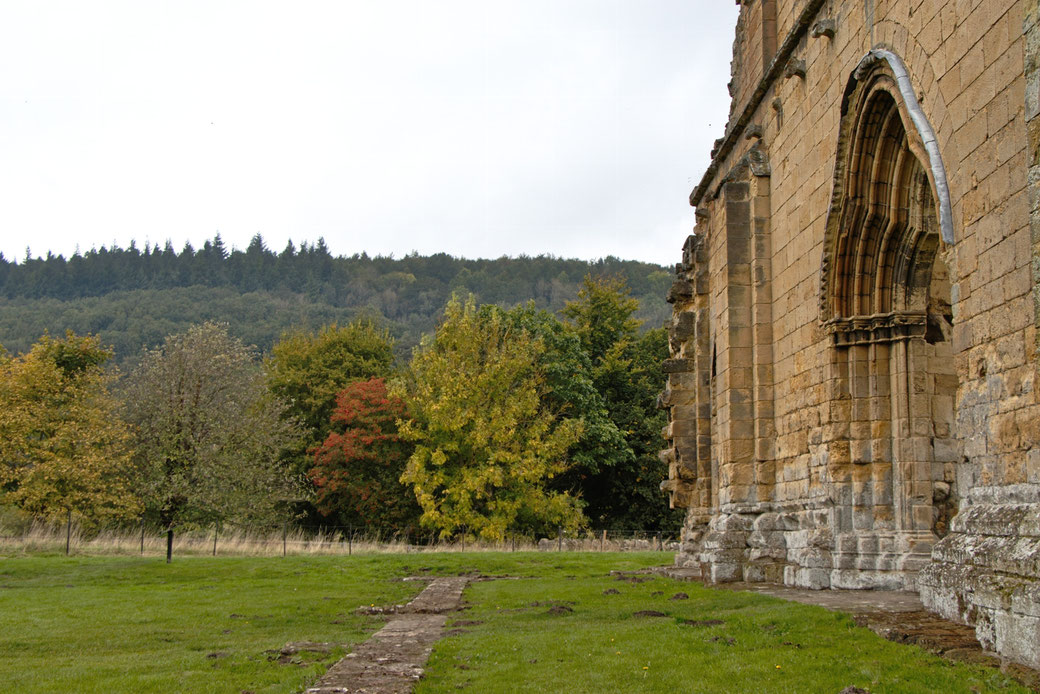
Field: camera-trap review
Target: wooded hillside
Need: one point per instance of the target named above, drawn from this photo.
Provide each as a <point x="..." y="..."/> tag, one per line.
<point x="132" y="298"/>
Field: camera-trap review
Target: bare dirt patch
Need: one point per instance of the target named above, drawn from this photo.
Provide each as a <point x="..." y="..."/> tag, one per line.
<point x="649" y="613"/>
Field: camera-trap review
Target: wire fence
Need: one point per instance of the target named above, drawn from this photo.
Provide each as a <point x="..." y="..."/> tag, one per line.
<point x="221" y="539"/>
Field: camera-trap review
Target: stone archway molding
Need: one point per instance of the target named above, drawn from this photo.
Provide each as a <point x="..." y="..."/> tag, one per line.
<point x="924" y="129"/>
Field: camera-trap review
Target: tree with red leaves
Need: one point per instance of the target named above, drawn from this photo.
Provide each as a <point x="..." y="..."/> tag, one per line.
<point x="357" y="469"/>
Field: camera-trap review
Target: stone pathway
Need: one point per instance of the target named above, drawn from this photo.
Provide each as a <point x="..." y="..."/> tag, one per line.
<point x="392" y="660"/>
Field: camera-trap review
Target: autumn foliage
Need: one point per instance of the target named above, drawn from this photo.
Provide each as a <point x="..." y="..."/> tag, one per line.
<point x="504" y="422"/>
<point x="486" y="443"/>
<point x="357" y="469"/>
<point x="62" y="446"/>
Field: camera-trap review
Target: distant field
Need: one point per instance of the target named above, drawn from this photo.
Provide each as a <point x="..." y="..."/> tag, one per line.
<point x="119" y="624"/>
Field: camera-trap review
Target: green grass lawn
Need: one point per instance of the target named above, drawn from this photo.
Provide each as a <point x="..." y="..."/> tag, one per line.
<point x="737" y="642"/>
<point x="108" y="624"/>
<point x="117" y="624"/>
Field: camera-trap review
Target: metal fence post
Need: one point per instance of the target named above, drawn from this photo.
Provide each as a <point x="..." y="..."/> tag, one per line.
<point x="559" y="538"/>
<point x="216" y="531"/>
<point x="142" y="535"/>
<point x="285" y="532"/>
<point x="350" y="540"/>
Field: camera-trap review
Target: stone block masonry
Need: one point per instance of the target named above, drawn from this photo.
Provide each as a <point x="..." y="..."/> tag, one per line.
<point x="851" y="385"/>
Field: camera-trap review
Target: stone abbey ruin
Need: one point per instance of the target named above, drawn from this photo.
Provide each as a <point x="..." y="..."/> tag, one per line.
<point x="852" y="389"/>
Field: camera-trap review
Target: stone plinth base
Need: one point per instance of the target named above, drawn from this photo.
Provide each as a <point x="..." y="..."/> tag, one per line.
<point x="987" y="573"/>
<point x="798" y="548"/>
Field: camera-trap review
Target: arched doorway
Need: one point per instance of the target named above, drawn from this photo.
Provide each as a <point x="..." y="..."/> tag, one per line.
<point x="886" y="302"/>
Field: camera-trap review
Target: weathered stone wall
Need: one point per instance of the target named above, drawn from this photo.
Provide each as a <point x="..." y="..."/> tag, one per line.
<point x="854" y="345"/>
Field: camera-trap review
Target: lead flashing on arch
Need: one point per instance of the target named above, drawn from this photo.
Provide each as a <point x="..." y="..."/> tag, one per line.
<point x="924" y="129"/>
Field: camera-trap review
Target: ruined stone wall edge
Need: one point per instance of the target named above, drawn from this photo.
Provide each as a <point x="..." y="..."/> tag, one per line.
<point x="776" y="68"/>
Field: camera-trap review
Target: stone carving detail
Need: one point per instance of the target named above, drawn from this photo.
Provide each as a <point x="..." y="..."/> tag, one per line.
<point x="824" y="27"/>
<point x="795" y="68"/>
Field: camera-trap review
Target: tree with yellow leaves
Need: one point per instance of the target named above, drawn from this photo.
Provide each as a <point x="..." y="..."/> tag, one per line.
<point x="63" y="447"/>
<point x="486" y="446"/>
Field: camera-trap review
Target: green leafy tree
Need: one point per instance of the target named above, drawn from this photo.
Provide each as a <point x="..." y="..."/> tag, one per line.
<point x="486" y="444"/>
<point x="357" y="470"/>
<point x="307" y="371"/>
<point x="602" y="316"/>
<point x="638" y="378"/>
<point x="571" y="390"/>
<point x="627" y="373"/>
<point x="208" y="432"/>
<point x="62" y="446"/>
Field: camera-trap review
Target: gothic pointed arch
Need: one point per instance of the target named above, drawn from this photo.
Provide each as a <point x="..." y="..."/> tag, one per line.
<point x="890" y="208"/>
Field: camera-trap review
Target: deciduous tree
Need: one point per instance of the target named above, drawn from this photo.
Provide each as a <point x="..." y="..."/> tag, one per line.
<point x="602" y="316"/>
<point x="486" y="445"/>
<point x="357" y="470"/>
<point x="62" y="446"/>
<point x="208" y="432"/>
<point x="627" y="373"/>
<point x="570" y="389"/>
<point x="307" y="370"/>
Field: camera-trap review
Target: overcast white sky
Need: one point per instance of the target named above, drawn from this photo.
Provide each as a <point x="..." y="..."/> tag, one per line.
<point x="483" y="128"/>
